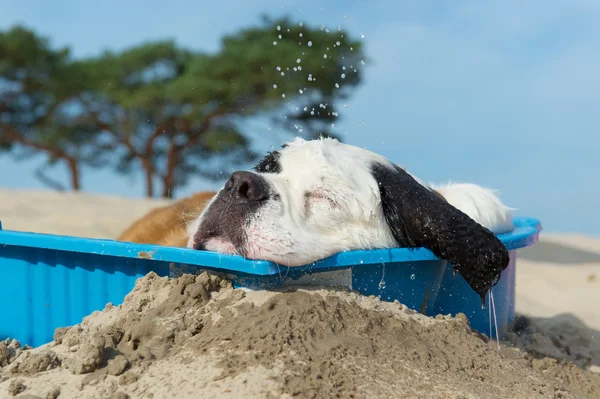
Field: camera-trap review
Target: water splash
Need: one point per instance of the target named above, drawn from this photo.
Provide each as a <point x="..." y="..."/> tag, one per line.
<point x="382" y="281"/>
<point x="495" y="320"/>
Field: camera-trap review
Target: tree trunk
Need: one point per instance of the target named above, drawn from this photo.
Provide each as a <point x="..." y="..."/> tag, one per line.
<point x="149" y="173"/>
<point x="72" y="163"/>
<point x="172" y="159"/>
<point x="73" y="166"/>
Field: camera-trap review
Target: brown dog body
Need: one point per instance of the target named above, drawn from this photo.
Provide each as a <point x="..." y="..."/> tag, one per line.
<point x="167" y="225"/>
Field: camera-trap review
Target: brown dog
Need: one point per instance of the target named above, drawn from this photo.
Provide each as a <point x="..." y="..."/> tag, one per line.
<point x="168" y="224"/>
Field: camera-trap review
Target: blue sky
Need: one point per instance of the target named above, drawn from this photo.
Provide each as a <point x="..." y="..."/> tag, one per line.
<point x="501" y="93"/>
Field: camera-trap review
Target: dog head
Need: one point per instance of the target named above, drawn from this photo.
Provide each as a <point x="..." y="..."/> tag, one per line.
<point x="312" y="199"/>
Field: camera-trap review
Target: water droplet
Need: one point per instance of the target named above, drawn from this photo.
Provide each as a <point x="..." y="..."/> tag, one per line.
<point x="324" y="55"/>
<point x="298" y="60"/>
<point x="278" y="27"/>
<point x="282" y="73"/>
<point x="333" y="125"/>
<point x="345" y="17"/>
<point x="337" y="86"/>
<point x="337" y="43"/>
<point x="309" y="44"/>
<point x="281" y="37"/>
<point x="351" y="48"/>
<point x="362" y="35"/>
<point x="327" y="30"/>
<point x="306" y="108"/>
<point x="299" y="68"/>
<point x="300" y="34"/>
<point x="412" y="276"/>
<point x="283" y="95"/>
<point x="345" y="105"/>
<point x="343" y="68"/>
<point x="274" y="43"/>
<point x="279" y="68"/>
<point x="343" y="76"/>
<point x="300" y="91"/>
<point x="301" y="24"/>
<point x="362" y="62"/>
<point x="275" y="86"/>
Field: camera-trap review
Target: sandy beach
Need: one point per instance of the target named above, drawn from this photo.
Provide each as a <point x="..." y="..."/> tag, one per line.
<point x="198" y="337"/>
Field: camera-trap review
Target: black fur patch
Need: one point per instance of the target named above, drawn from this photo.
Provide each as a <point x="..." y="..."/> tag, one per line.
<point x="419" y="217"/>
<point x="270" y="163"/>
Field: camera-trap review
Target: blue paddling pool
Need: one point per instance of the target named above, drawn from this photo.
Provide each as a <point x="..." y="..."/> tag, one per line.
<point x="52" y="281"/>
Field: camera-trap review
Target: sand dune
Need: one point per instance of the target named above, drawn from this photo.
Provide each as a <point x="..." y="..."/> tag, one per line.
<point x="374" y="349"/>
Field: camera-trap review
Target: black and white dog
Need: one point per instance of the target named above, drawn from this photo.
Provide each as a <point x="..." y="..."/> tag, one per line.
<point x="312" y="199"/>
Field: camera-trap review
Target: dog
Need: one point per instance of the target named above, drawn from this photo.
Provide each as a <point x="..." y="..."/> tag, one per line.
<point x="311" y="199"/>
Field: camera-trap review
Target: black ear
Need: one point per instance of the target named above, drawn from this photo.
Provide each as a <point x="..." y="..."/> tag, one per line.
<point x="419" y="217"/>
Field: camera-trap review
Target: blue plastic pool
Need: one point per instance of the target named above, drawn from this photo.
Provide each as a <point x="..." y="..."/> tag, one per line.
<point x="51" y="281"/>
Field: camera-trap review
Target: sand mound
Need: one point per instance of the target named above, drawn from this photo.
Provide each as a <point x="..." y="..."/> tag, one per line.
<point x="196" y="336"/>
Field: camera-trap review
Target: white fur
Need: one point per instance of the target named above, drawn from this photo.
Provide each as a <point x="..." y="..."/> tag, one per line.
<point x="480" y="203"/>
<point x="344" y="211"/>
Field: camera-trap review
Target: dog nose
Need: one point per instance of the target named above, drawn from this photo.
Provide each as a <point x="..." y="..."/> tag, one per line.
<point x="247" y="186"/>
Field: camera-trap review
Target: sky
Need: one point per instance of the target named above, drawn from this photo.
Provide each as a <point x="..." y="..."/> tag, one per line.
<point x="501" y="93"/>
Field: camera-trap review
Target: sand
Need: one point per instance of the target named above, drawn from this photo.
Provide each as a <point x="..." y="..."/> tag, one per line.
<point x="195" y="336"/>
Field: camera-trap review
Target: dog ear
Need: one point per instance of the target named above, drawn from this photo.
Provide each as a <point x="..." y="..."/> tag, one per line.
<point x="420" y="217"/>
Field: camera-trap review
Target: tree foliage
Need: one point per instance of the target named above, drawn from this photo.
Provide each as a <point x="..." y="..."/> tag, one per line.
<point x="39" y="108"/>
<point x="171" y="111"/>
